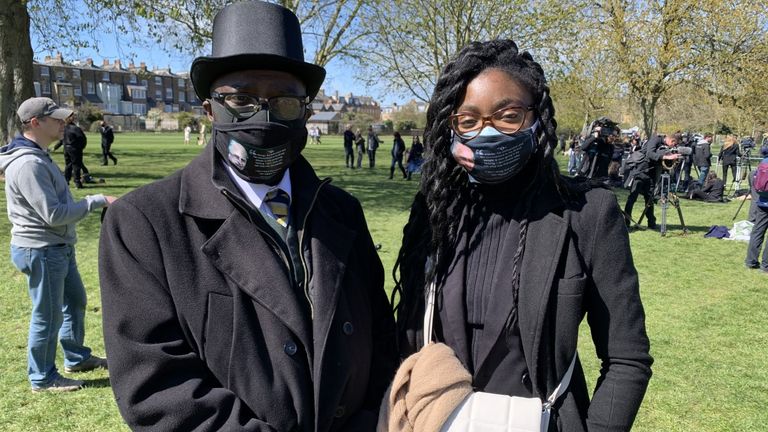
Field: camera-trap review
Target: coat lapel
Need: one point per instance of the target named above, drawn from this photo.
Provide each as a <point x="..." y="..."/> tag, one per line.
<point x="238" y="248"/>
<point x="257" y="270"/>
<point x="543" y="248"/>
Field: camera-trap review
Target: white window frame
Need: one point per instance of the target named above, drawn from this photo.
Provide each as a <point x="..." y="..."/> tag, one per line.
<point x="75" y="73"/>
<point x="45" y="71"/>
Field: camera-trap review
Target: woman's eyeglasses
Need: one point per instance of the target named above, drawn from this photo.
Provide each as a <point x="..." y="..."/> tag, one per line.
<point x="507" y="120"/>
<point x="244" y="105"/>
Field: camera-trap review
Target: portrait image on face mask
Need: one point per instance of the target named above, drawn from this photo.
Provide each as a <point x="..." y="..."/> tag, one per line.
<point x="237" y="154"/>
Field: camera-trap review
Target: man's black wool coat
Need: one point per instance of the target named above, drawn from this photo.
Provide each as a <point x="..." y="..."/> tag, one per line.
<point x="203" y="328"/>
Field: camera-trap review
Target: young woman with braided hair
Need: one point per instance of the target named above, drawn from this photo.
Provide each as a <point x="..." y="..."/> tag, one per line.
<point x="519" y="254"/>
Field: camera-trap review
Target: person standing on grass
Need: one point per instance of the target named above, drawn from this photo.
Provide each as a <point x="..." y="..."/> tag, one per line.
<point x="360" y="145"/>
<point x="517" y="253"/>
<point x="43" y="215"/>
<point x="349" y="144"/>
<point x="74" y="142"/>
<point x="107" y="138"/>
<point x="373" y="144"/>
<point x="398" y="150"/>
<point x="187" y="133"/>
<point x="759" y="212"/>
<point x="243" y="293"/>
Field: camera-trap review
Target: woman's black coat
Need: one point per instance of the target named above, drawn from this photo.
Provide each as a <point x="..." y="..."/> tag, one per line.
<point x="577" y="262"/>
<point x="203" y="329"/>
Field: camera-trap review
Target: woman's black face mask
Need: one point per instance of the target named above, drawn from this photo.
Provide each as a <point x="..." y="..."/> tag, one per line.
<point x="257" y="149"/>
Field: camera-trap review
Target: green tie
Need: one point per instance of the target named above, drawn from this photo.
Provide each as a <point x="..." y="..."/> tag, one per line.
<point x="278" y="202"/>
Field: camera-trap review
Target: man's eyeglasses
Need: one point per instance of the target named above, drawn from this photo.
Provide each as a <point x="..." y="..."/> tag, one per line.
<point x="507" y="120"/>
<point x="244" y="105"/>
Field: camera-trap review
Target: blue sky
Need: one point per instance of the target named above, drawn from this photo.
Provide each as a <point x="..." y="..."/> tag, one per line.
<point x="339" y="77"/>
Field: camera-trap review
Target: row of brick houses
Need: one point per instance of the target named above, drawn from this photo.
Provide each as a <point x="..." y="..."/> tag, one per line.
<point x="129" y="91"/>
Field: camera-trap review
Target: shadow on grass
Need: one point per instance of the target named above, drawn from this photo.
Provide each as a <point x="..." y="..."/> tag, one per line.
<point x="97" y="383"/>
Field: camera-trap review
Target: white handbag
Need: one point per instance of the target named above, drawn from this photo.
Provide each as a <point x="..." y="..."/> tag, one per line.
<point x="490" y="412"/>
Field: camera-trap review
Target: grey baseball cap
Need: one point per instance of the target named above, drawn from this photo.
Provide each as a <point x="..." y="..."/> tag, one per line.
<point x="41" y="107"/>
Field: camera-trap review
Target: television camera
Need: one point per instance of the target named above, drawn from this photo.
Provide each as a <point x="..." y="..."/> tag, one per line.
<point x="673" y="156"/>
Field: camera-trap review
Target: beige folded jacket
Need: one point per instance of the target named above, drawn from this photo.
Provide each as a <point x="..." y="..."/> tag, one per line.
<point x="427" y="387"/>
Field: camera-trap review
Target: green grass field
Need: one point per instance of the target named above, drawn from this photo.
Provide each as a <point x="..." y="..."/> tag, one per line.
<point x="706" y="314"/>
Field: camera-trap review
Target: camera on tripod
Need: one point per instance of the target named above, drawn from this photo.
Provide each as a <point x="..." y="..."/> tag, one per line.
<point x="673" y="155"/>
<point x="747" y="144"/>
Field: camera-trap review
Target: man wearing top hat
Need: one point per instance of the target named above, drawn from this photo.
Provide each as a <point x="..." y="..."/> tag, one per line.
<point x="242" y="292"/>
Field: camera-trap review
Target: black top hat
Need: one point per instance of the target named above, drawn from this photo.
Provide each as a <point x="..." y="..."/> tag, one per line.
<point x="255" y="35"/>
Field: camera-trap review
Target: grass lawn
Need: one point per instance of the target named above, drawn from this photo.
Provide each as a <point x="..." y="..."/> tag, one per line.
<point x="706" y="314"/>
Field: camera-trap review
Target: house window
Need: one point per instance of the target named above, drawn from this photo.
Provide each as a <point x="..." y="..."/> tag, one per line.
<point x="37" y="88"/>
<point x="75" y="73"/>
<point x="144" y="83"/>
<point x="139" y="109"/>
<point x="169" y="93"/>
<point x="46" y="87"/>
<point x="181" y="96"/>
<point x="132" y="79"/>
<point x="138" y="94"/>
<point x="64" y="92"/>
<point x="44" y="71"/>
<point x="78" y="91"/>
<point x="89" y="87"/>
<point x="105" y="76"/>
<point x="158" y="81"/>
<point x="60" y="75"/>
<point x="158" y="94"/>
<point x="181" y="82"/>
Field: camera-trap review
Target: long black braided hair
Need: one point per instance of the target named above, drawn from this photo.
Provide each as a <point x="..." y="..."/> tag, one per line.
<point x="444" y="191"/>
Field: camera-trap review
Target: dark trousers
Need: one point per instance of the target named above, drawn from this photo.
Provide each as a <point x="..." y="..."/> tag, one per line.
<point x="644" y="187"/>
<point x="371" y="158"/>
<point x="349" y="157"/>
<point x="725" y="173"/>
<point x="756" y="240"/>
<point x="106" y="153"/>
<point x="704" y="196"/>
<point x="73" y="165"/>
<point x="399" y="162"/>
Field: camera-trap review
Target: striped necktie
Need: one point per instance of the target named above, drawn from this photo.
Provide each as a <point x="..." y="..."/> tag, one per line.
<point x="278" y="202"/>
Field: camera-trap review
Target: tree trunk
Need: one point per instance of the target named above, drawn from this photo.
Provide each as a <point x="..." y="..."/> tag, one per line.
<point x="15" y="64"/>
<point x="648" y="110"/>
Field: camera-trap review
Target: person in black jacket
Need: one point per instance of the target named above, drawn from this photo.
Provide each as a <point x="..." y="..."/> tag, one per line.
<point x="74" y="142"/>
<point x="349" y="144"/>
<point x="518" y="253"/>
<point x="107" y="138"/>
<point x="644" y="176"/>
<point x="598" y="149"/>
<point x="398" y="149"/>
<point x="702" y="156"/>
<point x="247" y="297"/>
<point x="712" y="190"/>
<point x="729" y="157"/>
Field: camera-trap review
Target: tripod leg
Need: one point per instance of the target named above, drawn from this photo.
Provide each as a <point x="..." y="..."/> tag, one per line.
<point x="664" y="205"/>
<point x="676" y="203"/>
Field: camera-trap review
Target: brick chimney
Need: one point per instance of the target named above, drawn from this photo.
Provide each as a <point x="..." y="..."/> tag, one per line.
<point x="117" y="64"/>
<point x="105" y="63"/>
<point x="131" y="65"/>
<point x="89" y="62"/>
<point x="47" y="59"/>
<point x="59" y="58"/>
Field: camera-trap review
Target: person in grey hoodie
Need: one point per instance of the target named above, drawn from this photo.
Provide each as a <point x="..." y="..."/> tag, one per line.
<point x="43" y="215"/>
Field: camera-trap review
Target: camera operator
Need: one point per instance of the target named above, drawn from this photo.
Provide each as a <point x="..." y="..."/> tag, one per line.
<point x="702" y="157"/>
<point x="597" y="150"/>
<point x="645" y="169"/>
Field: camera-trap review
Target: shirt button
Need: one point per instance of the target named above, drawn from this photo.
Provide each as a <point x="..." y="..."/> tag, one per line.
<point x="348" y="328"/>
<point x="340" y="411"/>
<point x="290" y="348"/>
